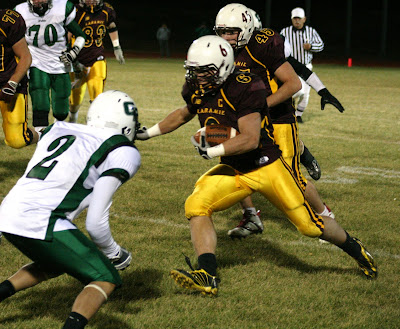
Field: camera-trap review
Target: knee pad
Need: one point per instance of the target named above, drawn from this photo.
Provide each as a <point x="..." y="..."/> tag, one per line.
<point x="61" y="107"/>
<point x="196" y="206"/>
<point x="307" y="221"/>
<point x="218" y="189"/>
<point x="98" y="288"/>
<point x="18" y="136"/>
<point x="311" y="231"/>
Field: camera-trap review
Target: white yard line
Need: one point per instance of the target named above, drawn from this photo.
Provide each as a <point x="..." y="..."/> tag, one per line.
<point x="350" y="139"/>
<point x="314" y="243"/>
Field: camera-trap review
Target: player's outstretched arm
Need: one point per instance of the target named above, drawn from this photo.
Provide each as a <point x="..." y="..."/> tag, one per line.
<point x="170" y="123"/>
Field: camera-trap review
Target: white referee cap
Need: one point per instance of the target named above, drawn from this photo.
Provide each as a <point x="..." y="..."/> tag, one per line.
<point x="298" y="12"/>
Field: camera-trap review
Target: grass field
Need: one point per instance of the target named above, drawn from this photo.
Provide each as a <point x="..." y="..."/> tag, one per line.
<point x="279" y="279"/>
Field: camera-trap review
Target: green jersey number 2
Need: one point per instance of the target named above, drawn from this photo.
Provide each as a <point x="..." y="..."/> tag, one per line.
<point x="40" y="171"/>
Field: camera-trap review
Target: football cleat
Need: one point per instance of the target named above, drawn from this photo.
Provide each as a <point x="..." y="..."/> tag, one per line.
<point x="122" y="260"/>
<point x="366" y="262"/>
<point x="198" y="280"/>
<point x="250" y="224"/>
<point x="299" y="119"/>
<point x="314" y="169"/>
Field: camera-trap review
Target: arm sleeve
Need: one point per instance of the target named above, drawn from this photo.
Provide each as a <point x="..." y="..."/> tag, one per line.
<point x="97" y="220"/>
<point x="76" y="30"/>
<point x="317" y="44"/>
<point x="300" y="69"/>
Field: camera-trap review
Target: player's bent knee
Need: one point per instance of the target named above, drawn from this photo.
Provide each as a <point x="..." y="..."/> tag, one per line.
<point x="310" y="230"/>
<point x="194" y="207"/>
<point x="104" y="288"/>
<point x="16" y="139"/>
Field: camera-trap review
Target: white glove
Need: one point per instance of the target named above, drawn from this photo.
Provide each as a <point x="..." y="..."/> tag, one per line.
<point x="142" y="134"/>
<point x="68" y="57"/>
<point x="119" y="55"/>
<point x="202" y="146"/>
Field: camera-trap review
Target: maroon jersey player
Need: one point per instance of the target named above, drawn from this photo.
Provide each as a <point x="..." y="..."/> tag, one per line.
<point x="13" y="80"/>
<point x="97" y="19"/>
<point x="250" y="161"/>
<point x="262" y="53"/>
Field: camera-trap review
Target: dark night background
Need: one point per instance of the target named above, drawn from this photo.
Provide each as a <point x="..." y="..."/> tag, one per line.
<point x="139" y="21"/>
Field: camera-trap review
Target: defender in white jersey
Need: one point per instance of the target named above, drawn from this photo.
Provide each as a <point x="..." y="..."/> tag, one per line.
<point x="47" y="25"/>
<point x="73" y="168"/>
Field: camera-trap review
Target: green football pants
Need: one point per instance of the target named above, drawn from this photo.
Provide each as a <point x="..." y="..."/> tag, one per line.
<point x="69" y="252"/>
<point x="43" y="87"/>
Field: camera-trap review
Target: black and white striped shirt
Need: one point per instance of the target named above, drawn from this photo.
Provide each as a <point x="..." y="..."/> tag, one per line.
<point x="297" y="38"/>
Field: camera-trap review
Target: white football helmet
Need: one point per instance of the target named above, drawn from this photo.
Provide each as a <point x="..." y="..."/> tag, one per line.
<point x="40" y="7"/>
<point x="114" y="109"/>
<point x="235" y="17"/>
<point x="210" y="60"/>
<point x="256" y="20"/>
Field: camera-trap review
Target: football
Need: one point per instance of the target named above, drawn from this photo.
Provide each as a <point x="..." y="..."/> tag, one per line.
<point x="216" y="134"/>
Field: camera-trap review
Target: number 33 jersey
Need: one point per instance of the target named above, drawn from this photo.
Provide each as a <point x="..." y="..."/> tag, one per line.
<point x="46" y="35"/>
<point x="61" y="175"/>
<point x="95" y="26"/>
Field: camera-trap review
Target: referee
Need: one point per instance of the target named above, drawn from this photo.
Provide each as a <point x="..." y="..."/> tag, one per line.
<point x="304" y="41"/>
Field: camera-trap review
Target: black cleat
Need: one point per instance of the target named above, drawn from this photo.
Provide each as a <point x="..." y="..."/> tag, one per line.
<point x="311" y="164"/>
<point x="299" y="119"/>
<point x="314" y="170"/>
<point x="122" y="260"/>
<point x="198" y="280"/>
<point x="366" y="262"/>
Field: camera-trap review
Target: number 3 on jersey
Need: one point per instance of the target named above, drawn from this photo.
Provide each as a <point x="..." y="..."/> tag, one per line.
<point x="40" y="171"/>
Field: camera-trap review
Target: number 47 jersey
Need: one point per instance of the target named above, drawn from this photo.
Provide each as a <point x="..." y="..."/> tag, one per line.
<point x="59" y="179"/>
<point x="47" y="36"/>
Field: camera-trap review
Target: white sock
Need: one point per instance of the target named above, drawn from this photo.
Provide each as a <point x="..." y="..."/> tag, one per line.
<point x="299" y="111"/>
<point x="326" y="212"/>
<point x="252" y="210"/>
<point x="73" y="117"/>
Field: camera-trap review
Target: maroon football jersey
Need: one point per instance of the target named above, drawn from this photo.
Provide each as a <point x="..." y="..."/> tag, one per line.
<point x="12" y="30"/>
<point x="95" y="26"/>
<point x="263" y="55"/>
<point x="242" y="94"/>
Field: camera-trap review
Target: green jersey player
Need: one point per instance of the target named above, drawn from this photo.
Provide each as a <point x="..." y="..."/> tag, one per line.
<point x="37" y="214"/>
<point x="47" y="26"/>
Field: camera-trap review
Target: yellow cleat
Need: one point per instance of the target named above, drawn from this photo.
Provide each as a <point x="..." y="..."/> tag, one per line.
<point x="198" y="280"/>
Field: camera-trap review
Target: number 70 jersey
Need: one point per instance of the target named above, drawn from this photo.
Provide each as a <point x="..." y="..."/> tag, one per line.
<point x="47" y="36"/>
<point x="59" y="179"/>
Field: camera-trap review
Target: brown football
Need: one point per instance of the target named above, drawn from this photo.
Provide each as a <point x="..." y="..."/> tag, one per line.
<point x="216" y="134"/>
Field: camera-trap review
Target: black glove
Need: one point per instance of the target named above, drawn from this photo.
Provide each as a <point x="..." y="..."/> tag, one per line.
<point x="69" y="56"/>
<point x="202" y="146"/>
<point x="328" y="98"/>
<point x="8" y="91"/>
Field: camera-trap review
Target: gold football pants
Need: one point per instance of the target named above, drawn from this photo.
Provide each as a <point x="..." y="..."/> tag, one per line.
<point x="222" y="187"/>
<point x="15" y="124"/>
<point x="91" y="77"/>
<point x="287" y="137"/>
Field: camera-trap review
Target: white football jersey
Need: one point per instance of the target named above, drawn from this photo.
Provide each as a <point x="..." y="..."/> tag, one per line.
<point x="46" y="35"/>
<point x="60" y="177"/>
